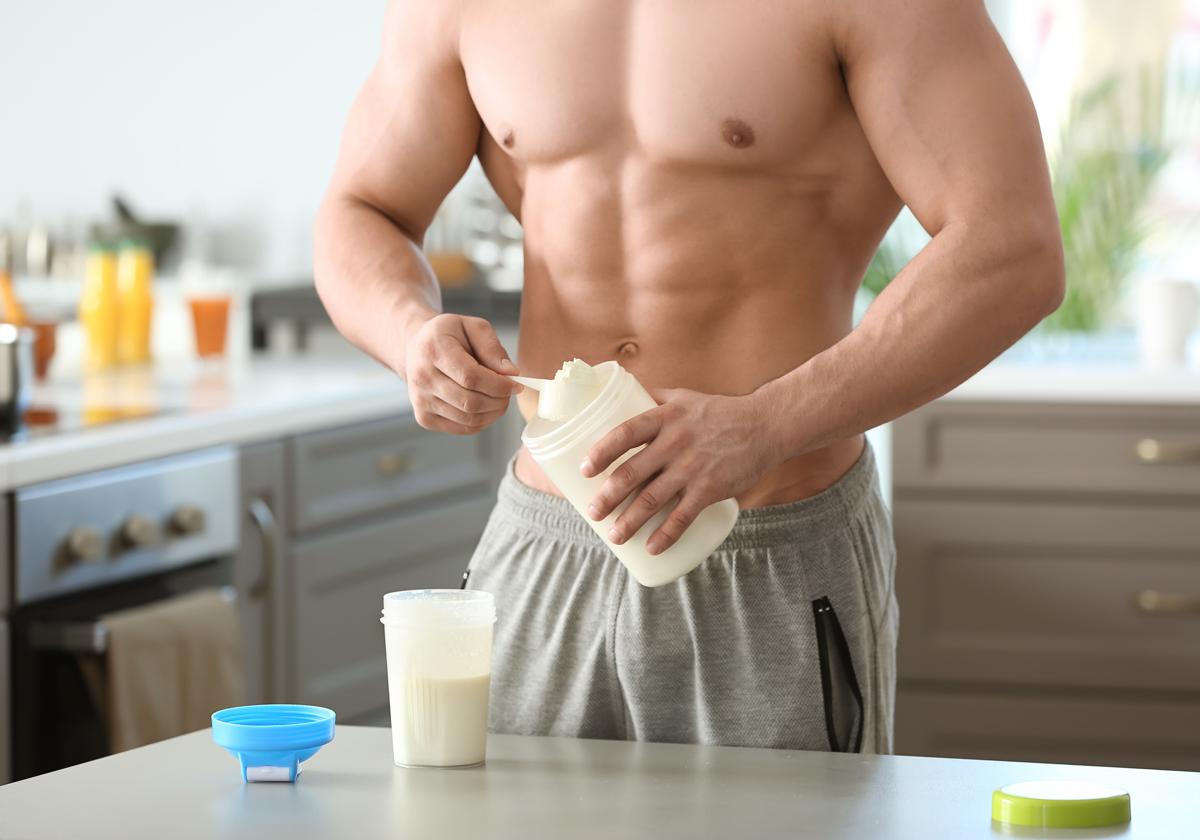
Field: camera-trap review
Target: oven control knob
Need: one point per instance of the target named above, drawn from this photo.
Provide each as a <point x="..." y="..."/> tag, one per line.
<point x="188" y="519"/>
<point x="138" y="532"/>
<point x="84" y="545"/>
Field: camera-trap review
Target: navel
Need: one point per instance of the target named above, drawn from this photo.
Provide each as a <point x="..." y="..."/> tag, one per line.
<point x="628" y="349"/>
<point x="737" y="133"/>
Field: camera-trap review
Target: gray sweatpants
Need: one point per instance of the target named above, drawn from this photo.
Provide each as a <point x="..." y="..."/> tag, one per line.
<point x="784" y="637"/>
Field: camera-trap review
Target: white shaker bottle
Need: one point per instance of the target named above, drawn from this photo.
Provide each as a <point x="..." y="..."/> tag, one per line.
<point x="560" y="447"/>
<point x="439" y="667"/>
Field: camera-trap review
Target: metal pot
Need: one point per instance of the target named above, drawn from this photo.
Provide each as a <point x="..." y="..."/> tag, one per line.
<point x="16" y="373"/>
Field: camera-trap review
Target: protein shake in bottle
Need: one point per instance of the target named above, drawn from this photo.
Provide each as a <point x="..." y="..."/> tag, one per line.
<point x="439" y="666"/>
<point x="575" y="410"/>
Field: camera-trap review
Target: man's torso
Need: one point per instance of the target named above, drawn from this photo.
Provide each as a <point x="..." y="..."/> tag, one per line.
<point x="698" y="199"/>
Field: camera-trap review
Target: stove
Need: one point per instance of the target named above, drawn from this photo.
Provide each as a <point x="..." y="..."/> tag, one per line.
<point x="47" y="421"/>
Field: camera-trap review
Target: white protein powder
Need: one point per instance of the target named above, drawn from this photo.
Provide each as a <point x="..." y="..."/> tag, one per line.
<point x="574" y="386"/>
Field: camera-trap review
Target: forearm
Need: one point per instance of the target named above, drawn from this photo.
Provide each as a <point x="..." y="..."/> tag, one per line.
<point x="373" y="278"/>
<point x="953" y="309"/>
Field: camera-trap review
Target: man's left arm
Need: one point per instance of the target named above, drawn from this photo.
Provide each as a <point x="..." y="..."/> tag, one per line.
<point x="952" y="125"/>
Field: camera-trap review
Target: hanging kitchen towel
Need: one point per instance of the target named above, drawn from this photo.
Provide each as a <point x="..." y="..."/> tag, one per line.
<point x="170" y="665"/>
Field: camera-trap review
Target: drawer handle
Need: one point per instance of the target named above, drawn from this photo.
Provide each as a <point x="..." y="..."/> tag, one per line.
<point x="1167" y="603"/>
<point x="1154" y="451"/>
<point x="393" y="463"/>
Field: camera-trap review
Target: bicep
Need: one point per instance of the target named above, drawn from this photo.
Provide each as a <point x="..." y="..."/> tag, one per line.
<point x="945" y="110"/>
<point x="412" y="129"/>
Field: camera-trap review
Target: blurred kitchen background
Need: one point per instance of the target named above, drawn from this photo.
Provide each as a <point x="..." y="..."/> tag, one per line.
<point x="195" y="461"/>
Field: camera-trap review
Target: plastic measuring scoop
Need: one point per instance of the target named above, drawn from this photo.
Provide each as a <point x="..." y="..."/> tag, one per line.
<point x="271" y="741"/>
<point x="530" y="382"/>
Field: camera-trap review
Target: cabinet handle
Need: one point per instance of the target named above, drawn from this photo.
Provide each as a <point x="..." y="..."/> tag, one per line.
<point x="1167" y="603"/>
<point x="1154" y="451"/>
<point x="268" y="529"/>
<point x="392" y="463"/>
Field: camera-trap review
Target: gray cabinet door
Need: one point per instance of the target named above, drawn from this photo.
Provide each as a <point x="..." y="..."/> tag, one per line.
<point x="339" y="580"/>
<point x="1032" y="448"/>
<point x="259" y="572"/>
<point x="368" y="468"/>
<point x="1055" y="594"/>
<point x="1118" y="730"/>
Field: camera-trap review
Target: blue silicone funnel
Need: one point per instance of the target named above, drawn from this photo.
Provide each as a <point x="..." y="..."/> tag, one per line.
<point x="271" y="741"/>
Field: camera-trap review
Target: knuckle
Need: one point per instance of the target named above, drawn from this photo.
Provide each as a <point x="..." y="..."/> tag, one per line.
<point x="424" y="418"/>
<point x="471" y="379"/>
<point x="679" y="519"/>
<point x="649" y="500"/>
<point x="626" y="474"/>
<point x="473" y="403"/>
<point x="626" y="434"/>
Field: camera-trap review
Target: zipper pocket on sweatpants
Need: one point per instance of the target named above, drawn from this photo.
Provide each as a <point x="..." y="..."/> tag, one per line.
<point x="839" y="686"/>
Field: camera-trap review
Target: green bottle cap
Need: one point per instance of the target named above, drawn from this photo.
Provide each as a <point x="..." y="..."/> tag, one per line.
<point x="133" y="243"/>
<point x="1060" y="804"/>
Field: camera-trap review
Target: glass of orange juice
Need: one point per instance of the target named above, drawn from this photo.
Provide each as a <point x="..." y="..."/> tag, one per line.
<point x="209" y="299"/>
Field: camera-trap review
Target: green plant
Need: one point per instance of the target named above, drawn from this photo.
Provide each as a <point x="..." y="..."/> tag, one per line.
<point x="886" y="264"/>
<point x="1110" y="152"/>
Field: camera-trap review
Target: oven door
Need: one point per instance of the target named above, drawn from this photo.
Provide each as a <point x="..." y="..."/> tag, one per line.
<point x="102" y="542"/>
<point x="57" y="718"/>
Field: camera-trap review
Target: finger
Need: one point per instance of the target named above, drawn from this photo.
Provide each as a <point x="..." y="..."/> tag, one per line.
<point x="455" y="415"/>
<point x="676" y="523"/>
<point x="662" y="395"/>
<point x="656" y="495"/>
<point x="428" y="419"/>
<point x="626" y="479"/>
<point x="633" y="432"/>
<point x="453" y="360"/>
<point x="486" y="346"/>
<point x="468" y="402"/>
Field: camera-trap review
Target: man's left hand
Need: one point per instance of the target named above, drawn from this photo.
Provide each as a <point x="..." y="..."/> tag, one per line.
<point x="699" y="449"/>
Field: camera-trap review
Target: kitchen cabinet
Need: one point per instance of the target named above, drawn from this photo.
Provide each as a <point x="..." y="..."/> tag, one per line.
<point x="1048" y="577"/>
<point x="339" y="578"/>
<point x="359" y="470"/>
<point x="374" y="507"/>
<point x="1086" y="728"/>
<point x="259" y="573"/>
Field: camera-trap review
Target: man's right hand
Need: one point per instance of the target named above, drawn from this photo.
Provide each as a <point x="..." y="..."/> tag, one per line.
<point x="454" y="366"/>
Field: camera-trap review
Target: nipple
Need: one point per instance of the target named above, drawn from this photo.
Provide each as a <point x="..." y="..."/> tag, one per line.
<point x="737" y="133"/>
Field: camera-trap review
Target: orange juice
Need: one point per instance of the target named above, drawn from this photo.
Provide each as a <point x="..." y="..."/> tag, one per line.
<point x="210" y="320"/>
<point x="98" y="308"/>
<point x="135" y="301"/>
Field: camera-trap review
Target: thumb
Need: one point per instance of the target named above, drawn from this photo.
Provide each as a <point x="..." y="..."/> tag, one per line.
<point x="486" y="346"/>
<point x="661" y="395"/>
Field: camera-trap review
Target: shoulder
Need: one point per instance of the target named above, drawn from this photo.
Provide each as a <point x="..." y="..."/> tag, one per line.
<point x="423" y="25"/>
<point x="897" y="24"/>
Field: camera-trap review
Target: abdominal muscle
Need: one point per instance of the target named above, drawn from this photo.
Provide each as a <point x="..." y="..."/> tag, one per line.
<point x="713" y="280"/>
<point x="716" y="333"/>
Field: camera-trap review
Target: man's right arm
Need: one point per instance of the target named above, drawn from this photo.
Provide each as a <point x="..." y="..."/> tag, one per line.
<point x="410" y="136"/>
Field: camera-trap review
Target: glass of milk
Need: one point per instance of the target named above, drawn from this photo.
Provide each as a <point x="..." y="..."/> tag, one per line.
<point x="439" y="666"/>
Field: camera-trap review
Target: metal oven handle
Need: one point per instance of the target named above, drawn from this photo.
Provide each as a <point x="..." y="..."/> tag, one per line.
<point x="268" y="529"/>
<point x="83" y="636"/>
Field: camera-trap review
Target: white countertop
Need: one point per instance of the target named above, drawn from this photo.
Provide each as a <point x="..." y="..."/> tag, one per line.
<point x="183" y="406"/>
<point x="1100" y="384"/>
<point x="535" y="788"/>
